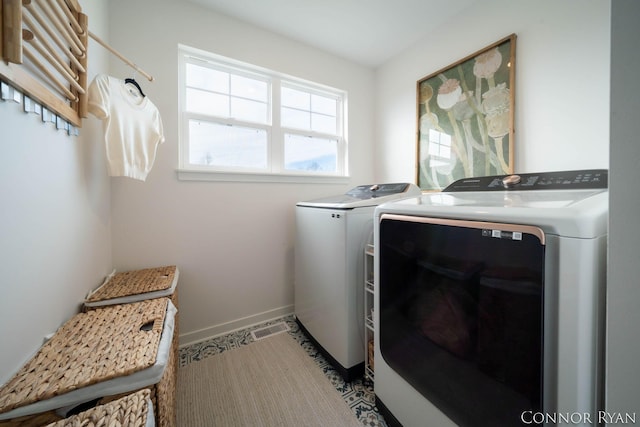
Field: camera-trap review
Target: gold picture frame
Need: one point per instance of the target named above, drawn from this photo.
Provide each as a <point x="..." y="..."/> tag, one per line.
<point x="465" y="118"/>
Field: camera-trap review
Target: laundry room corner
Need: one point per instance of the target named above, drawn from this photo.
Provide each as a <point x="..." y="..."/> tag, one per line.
<point x="233" y="241"/>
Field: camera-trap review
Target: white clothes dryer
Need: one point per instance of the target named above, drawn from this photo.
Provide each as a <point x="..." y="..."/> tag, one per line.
<point x="489" y="302"/>
<point x="331" y="234"/>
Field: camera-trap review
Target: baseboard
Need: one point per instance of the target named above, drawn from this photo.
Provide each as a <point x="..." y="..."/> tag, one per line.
<point x="232" y="326"/>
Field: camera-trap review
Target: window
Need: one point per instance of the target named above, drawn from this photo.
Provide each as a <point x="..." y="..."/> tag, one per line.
<point x="239" y="119"/>
<point x="439" y="148"/>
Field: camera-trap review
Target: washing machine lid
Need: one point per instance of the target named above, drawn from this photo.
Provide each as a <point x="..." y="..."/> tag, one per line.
<point x="568" y="203"/>
<point x="365" y="195"/>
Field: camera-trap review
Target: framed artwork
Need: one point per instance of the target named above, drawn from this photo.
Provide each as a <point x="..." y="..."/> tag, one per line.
<point x="465" y="118"/>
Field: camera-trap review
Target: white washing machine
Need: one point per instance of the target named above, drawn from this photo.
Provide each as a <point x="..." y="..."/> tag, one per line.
<point x="489" y="302"/>
<point x="331" y="234"/>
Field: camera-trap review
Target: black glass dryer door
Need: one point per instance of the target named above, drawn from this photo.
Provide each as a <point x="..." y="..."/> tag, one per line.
<point x="461" y="314"/>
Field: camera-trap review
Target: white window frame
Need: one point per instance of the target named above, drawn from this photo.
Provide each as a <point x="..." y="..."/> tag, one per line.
<point x="275" y="133"/>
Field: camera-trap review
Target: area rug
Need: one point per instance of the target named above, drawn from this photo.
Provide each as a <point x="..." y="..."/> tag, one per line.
<point x="271" y="382"/>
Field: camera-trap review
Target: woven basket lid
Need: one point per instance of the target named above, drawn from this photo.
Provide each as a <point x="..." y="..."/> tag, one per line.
<point x="90" y="347"/>
<point x="135" y="282"/>
<point x="130" y="411"/>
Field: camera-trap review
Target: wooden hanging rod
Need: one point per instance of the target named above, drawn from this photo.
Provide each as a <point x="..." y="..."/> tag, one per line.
<point x="119" y="55"/>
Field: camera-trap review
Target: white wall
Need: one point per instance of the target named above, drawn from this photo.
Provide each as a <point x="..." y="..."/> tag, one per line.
<point x="233" y="242"/>
<point x="562" y="83"/>
<point x="623" y="294"/>
<point x="55" y="226"/>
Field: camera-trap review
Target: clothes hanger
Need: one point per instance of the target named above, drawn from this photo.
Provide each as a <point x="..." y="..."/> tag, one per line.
<point x="135" y="83"/>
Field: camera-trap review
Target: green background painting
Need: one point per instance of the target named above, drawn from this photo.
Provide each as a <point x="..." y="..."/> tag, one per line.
<point x="465" y="118"/>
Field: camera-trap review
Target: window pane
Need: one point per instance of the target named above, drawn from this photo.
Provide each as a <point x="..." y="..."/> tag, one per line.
<point x="252" y="111"/>
<point x="249" y="88"/>
<point x="324" y="105"/>
<point x="295" y="119"/>
<point x="213" y="144"/>
<point x="323" y="123"/>
<point x="296" y="99"/>
<point x="305" y="111"/>
<point x="206" y="78"/>
<point x="304" y="153"/>
<point x="210" y="103"/>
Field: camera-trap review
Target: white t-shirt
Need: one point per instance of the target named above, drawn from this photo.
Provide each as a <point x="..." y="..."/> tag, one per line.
<point x="132" y="126"/>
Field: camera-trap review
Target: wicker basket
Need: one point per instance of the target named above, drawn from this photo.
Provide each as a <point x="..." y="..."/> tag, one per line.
<point x="36" y="420"/>
<point x="144" y="284"/>
<point x="163" y="394"/>
<point x="91" y="347"/>
<point x="138" y="285"/>
<point x="135" y="285"/>
<point x="130" y="411"/>
<point x="165" y="401"/>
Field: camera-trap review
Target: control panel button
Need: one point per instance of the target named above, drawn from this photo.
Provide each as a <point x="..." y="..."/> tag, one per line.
<point x="511" y="180"/>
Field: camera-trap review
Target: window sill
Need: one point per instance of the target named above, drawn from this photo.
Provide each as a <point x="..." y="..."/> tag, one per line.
<point x="197" y="175"/>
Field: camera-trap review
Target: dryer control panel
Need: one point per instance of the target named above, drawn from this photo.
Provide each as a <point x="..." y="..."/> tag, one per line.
<point x="564" y="180"/>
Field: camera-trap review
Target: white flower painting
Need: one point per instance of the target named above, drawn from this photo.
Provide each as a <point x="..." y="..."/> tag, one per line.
<point x="465" y="118"/>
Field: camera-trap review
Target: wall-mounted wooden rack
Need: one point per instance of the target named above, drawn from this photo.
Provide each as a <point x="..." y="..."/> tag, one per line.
<point x="43" y="45"/>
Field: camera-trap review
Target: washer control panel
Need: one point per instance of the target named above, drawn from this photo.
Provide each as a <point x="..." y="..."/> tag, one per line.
<point x="377" y="190"/>
<point x="565" y="180"/>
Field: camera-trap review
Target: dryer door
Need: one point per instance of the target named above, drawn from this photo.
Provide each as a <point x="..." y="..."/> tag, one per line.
<point x="461" y="314"/>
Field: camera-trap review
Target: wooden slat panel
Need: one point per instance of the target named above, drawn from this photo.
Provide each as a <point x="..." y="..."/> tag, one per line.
<point x="23" y="81"/>
<point x="74" y="6"/>
<point x="11" y="31"/>
<point x="81" y="106"/>
<point x="45" y="75"/>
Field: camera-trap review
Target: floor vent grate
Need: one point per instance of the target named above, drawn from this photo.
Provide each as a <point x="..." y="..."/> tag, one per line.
<point x="267" y="331"/>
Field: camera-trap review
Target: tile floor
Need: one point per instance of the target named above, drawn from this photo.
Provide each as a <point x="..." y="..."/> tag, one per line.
<point x="357" y="394"/>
